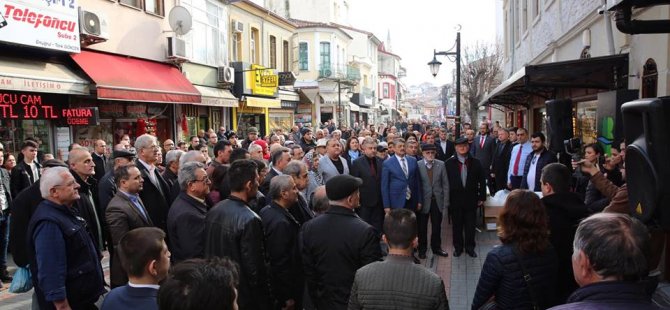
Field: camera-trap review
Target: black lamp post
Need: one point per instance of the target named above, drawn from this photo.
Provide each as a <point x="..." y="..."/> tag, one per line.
<point x="435" y="68"/>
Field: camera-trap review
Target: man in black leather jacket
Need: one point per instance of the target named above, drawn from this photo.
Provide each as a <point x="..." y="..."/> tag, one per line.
<point x="233" y="230"/>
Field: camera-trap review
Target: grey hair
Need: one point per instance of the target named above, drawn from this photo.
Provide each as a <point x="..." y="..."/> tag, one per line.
<point x="189" y="157"/>
<point x="294" y="167"/>
<point x="51" y="178"/>
<point x="143" y="141"/>
<point x="172" y="156"/>
<point x="368" y="141"/>
<point x="253" y="147"/>
<point x="320" y="203"/>
<point x="616" y="245"/>
<point x="187" y="173"/>
<point x="279" y="184"/>
<point x="336" y="131"/>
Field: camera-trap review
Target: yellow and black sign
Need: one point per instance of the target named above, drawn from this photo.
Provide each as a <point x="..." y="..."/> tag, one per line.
<point x="265" y="81"/>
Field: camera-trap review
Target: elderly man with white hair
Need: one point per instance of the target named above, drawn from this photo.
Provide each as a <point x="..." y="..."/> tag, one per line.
<point x="172" y="166"/>
<point x="156" y="193"/>
<point x="64" y="261"/>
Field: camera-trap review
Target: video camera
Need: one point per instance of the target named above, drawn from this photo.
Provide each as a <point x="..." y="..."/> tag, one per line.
<point x="573" y="146"/>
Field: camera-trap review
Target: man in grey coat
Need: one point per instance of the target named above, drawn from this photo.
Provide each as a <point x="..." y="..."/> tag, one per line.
<point x="435" y="189"/>
<point x="333" y="164"/>
<point x="398" y="283"/>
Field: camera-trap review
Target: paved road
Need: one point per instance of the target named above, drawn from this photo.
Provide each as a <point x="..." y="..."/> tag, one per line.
<point x="460" y="274"/>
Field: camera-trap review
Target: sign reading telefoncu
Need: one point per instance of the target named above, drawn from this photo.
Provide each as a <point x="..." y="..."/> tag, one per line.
<point x="50" y="24"/>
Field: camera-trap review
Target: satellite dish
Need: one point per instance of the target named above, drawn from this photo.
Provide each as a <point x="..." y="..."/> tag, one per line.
<point x="180" y="20"/>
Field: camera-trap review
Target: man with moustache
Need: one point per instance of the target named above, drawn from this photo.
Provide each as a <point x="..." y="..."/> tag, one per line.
<point x="155" y="193"/>
<point x="369" y="169"/>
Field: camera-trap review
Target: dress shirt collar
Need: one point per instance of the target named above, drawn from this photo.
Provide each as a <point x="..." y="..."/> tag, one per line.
<point x="148" y="166"/>
<point x="154" y="286"/>
<point x="277" y="171"/>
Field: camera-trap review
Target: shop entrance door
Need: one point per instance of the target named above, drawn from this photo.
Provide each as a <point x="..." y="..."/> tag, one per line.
<point x="251" y="120"/>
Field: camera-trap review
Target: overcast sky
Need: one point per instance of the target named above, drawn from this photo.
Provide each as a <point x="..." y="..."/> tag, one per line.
<point x="419" y="26"/>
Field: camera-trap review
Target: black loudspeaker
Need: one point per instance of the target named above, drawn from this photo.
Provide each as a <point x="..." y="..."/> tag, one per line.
<point x="559" y="123"/>
<point x="647" y="133"/>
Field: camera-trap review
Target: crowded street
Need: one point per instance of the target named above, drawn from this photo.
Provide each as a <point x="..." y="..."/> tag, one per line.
<point x="334" y="154"/>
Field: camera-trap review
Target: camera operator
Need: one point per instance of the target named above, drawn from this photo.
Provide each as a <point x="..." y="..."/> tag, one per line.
<point x="592" y="197"/>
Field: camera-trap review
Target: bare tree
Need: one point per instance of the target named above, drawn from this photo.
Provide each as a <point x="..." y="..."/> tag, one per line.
<point x="481" y="72"/>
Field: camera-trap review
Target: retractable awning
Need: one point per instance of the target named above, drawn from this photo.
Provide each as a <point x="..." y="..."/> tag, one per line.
<point x="131" y="79"/>
<point x="258" y="102"/>
<point x="543" y="80"/>
<point x="216" y="97"/>
<point x="18" y="74"/>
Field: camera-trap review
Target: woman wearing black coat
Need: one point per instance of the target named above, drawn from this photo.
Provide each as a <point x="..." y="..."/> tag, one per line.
<point x="524" y="231"/>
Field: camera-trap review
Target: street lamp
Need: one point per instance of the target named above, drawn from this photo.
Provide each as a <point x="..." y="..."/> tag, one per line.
<point x="435" y="68"/>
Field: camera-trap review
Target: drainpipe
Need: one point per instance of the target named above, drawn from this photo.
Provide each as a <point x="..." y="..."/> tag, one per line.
<point x="608" y="28"/>
<point x="626" y="24"/>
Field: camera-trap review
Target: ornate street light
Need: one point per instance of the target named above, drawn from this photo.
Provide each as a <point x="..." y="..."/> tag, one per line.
<point x="435" y="68"/>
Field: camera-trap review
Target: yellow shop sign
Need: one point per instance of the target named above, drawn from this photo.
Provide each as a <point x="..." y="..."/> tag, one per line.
<point x="265" y="81"/>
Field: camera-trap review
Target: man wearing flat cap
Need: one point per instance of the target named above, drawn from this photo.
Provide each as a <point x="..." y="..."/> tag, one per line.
<point x="435" y="191"/>
<point x="336" y="244"/>
<point x="467" y="192"/>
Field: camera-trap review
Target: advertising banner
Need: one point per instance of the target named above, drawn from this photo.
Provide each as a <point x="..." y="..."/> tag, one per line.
<point x="50" y="24"/>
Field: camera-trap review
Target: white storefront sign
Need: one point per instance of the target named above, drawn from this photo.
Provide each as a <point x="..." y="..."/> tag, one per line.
<point x="51" y="24"/>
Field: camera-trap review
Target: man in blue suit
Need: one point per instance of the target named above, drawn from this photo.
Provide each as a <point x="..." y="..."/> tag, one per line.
<point x="146" y="259"/>
<point x="401" y="183"/>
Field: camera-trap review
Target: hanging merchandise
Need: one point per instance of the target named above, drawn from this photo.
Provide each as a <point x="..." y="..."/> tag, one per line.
<point x="141" y="127"/>
<point x="184" y="124"/>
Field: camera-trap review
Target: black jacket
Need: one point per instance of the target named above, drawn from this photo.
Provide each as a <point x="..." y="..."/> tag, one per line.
<point x="547" y="157"/>
<point x="611" y="295"/>
<point x="331" y="259"/>
<point x="4" y="178"/>
<point x="23" y="208"/>
<point x="22" y="177"/>
<point x="233" y="230"/>
<point x="186" y="227"/>
<point x="441" y="155"/>
<point x="502" y="277"/>
<point x="265" y="186"/>
<point x="100" y="165"/>
<point x="300" y="210"/>
<point x="306" y="146"/>
<point x="500" y="164"/>
<point x="87" y="208"/>
<point x="565" y="211"/>
<point x="371" y="188"/>
<point x="475" y="184"/>
<point x="283" y="251"/>
<point x="170" y="178"/>
<point x="156" y="201"/>
<point x="106" y="189"/>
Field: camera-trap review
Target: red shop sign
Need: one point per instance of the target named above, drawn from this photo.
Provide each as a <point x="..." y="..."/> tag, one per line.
<point x="28" y="106"/>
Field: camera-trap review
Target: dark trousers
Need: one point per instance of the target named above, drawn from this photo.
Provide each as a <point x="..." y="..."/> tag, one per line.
<point x="373" y="215"/>
<point x="463" y="223"/>
<point x="435" y="225"/>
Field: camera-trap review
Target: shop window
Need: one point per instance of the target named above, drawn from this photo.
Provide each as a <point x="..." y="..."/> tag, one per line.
<point x="281" y="120"/>
<point x="650" y="79"/>
<point x="154" y="7"/>
<point x="237" y="46"/>
<point x="586" y="121"/>
<point x="285" y="57"/>
<point x="386" y="91"/>
<point x="303" y="56"/>
<point x="273" y="52"/>
<point x="14" y="132"/>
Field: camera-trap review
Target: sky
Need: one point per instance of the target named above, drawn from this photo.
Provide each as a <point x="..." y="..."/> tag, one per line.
<point x="419" y="26"/>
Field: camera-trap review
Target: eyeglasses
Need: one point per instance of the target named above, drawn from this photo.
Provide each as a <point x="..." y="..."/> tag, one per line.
<point x="205" y="180"/>
<point x="68" y="184"/>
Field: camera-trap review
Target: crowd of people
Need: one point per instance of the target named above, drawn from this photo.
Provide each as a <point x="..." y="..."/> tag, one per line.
<point x="321" y="218"/>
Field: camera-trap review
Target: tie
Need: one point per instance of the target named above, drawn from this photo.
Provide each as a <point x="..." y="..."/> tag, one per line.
<point x="464" y="173"/>
<point x="515" y="170"/>
<point x="137" y="204"/>
<point x="403" y="164"/>
<point x="481" y="142"/>
<point x="373" y="171"/>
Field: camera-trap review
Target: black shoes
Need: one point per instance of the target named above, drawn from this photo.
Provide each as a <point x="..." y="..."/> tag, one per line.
<point x="5" y="277"/>
<point x="458" y="253"/>
<point x="471" y="253"/>
<point x="440" y="252"/>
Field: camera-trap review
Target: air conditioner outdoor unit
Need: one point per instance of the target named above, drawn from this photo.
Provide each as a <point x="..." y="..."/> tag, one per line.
<point x="225" y="75"/>
<point x="93" y="26"/>
<point x="176" y="48"/>
<point x="238" y="27"/>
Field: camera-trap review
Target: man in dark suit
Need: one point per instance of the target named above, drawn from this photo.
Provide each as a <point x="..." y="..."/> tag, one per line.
<point x="500" y="164"/>
<point x="186" y="219"/>
<point x="279" y="159"/>
<point x="401" y="183"/>
<point x="107" y="185"/>
<point x="27" y="171"/>
<point x="100" y="159"/>
<point x="155" y="193"/>
<point x="281" y="230"/>
<point x="5" y="204"/>
<point x="124" y="213"/>
<point x="485" y="147"/>
<point x="147" y="261"/>
<point x="535" y="161"/>
<point x="369" y="169"/>
<point x="467" y="192"/>
<point x="331" y="258"/>
<point x="300" y="210"/>
<point x="445" y="148"/>
<point x="435" y="191"/>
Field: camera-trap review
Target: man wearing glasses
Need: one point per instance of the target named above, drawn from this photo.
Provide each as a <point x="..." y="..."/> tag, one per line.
<point x="155" y="193"/>
<point x="186" y="219"/>
<point x="63" y="258"/>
